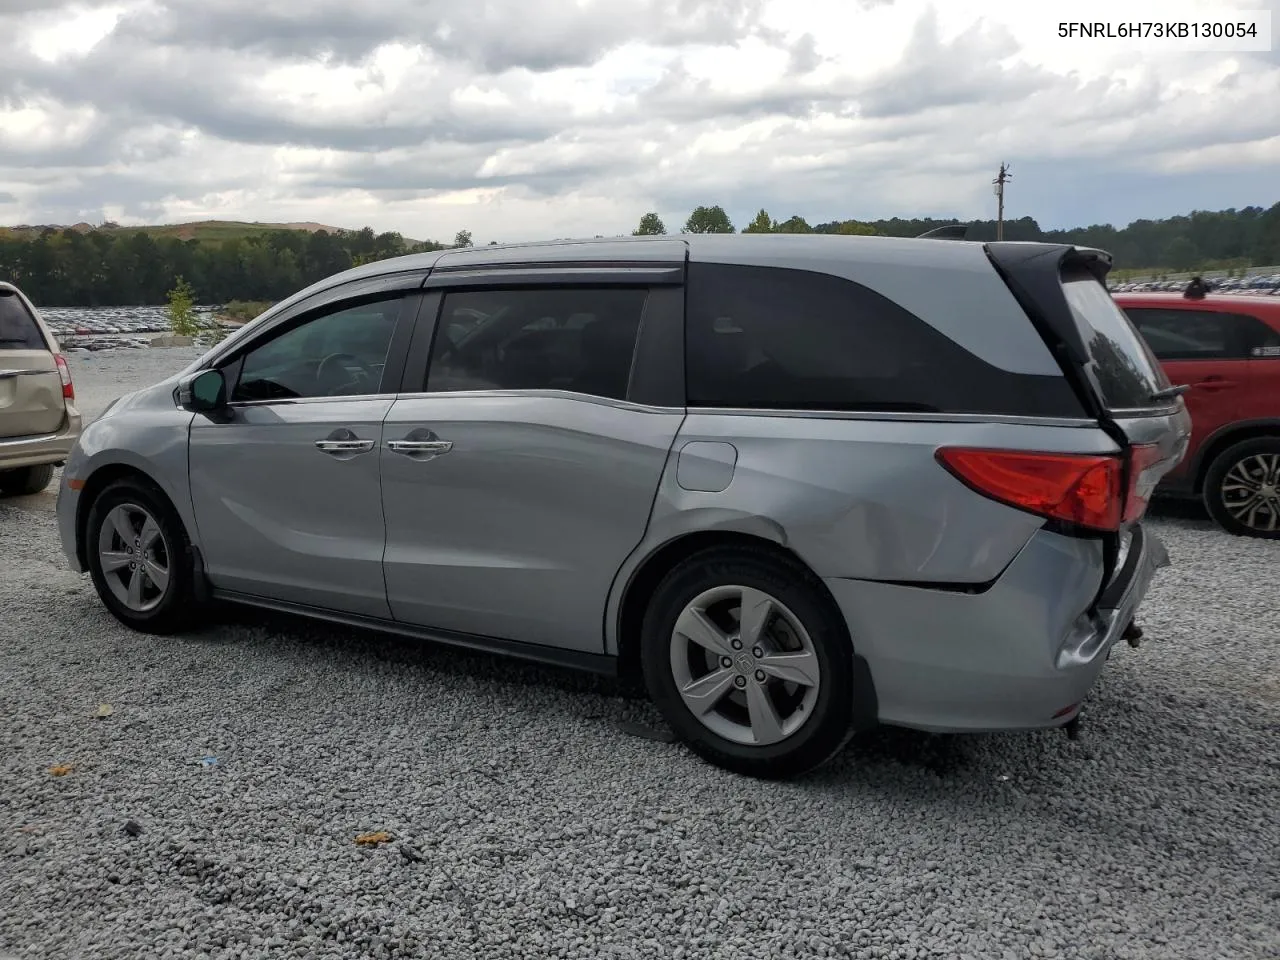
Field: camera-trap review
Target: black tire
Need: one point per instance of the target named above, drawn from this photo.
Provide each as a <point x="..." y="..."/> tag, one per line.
<point x="24" y="481"/>
<point x="177" y="606"/>
<point x="845" y="700"/>
<point x="1217" y="502"/>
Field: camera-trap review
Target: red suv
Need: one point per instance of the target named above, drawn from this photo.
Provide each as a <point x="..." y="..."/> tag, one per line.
<point x="1227" y="350"/>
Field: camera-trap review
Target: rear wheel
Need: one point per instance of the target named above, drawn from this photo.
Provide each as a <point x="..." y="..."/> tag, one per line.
<point x="25" y="481"/>
<point x="750" y="662"/>
<point x="140" y="557"/>
<point x="1242" y="488"/>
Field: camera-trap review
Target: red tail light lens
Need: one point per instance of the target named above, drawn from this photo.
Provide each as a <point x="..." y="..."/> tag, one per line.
<point x="1142" y="480"/>
<point x="1082" y="489"/>
<point x="68" y="388"/>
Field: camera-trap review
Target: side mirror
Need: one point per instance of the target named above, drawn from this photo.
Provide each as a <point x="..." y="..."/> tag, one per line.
<point x="203" y="392"/>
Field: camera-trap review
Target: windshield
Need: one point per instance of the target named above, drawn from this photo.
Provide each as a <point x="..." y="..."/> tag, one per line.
<point x="1128" y="375"/>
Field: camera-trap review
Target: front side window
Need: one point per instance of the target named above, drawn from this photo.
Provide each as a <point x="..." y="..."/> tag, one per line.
<point x="336" y="354"/>
<point x="578" y="339"/>
<point x="780" y="338"/>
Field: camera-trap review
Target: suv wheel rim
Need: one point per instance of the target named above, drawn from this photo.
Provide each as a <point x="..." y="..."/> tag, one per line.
<point x="1251" y="492"/>
<point x="134" y="556"/>
<point x="744" y="665"/>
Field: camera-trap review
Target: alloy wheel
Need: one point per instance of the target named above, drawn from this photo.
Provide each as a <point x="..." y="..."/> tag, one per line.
<point x="1251" y="492"/>
<point x="134" y="557"/>
<point x="744" y="665"/>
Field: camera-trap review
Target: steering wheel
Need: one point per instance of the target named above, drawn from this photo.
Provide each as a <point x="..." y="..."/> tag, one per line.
<point x="445" y="346"/>
<point x="328" y="367"/>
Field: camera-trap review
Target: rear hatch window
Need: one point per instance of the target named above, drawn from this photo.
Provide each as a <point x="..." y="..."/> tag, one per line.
<point x="18" y="330"/>
<point x="1128" y="375"/>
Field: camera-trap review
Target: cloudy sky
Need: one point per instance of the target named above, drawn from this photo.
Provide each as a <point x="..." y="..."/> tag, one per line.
<point x="526" y="119"/>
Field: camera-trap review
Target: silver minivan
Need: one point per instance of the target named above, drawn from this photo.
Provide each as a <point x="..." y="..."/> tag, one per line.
<point x="797" y="485"/>
<point x="39" y="422"/>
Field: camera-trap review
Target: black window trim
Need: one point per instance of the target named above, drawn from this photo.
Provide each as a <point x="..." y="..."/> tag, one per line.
<point x="1241" y="341"/>
<point x="656" y="381"/>
<point x="231" y="363"/>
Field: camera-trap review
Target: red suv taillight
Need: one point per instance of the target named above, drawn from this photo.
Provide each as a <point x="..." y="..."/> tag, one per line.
<point x="1081" y="489"/>
<point x="68" y="388"/>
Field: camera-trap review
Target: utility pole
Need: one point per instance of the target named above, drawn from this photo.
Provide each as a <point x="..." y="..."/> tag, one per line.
<point x="1001" y="179"/>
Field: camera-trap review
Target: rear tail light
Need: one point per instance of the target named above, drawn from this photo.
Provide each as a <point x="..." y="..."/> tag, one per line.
<point x="68" y="388"/>
<point x="1142" y="480"/>
<point x="1080" y="489"/>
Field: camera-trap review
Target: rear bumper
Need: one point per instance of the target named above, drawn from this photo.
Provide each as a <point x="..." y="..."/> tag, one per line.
<point x="46" y="448"/>
<point x="1021" y="654"/>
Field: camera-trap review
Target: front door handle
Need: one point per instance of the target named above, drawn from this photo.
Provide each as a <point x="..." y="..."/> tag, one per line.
<point x="343" y="444"/>
<point x="420" y="444"/>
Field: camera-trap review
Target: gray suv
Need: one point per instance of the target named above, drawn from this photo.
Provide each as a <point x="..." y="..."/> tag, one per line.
<point x="798" y="485"/>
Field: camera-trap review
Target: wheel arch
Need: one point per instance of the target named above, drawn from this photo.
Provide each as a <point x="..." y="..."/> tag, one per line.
<point x="648" y="573"/>
<point x="99" y="480"/>
<point x="1226" y="437"/>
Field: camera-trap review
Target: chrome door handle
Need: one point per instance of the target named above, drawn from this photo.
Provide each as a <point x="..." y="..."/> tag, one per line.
<point x="420" y="443"/>
<point x="412" y="448"/>
<point x="344" y="446"/>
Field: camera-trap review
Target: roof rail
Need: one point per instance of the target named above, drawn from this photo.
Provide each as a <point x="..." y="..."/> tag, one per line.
<point x="952" y="231"/>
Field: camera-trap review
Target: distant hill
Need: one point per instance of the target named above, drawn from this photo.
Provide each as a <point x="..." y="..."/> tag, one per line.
<point x="214" y="231"/>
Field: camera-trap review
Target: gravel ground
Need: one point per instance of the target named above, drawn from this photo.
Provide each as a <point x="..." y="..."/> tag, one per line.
<point x="526" y="822"/>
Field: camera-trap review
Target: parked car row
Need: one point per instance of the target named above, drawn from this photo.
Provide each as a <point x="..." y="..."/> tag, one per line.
<point x="1258" y="284"/>
<point x="68" y="322"/>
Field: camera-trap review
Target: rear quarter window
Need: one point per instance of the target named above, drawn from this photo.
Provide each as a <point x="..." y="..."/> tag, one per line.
<point x="18" y="329"/>
<point x="781" y="338"/>
<point x="1127" y="372"/>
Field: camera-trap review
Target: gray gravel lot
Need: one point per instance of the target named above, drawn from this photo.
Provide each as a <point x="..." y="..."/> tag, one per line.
<point x="526" y="823"/>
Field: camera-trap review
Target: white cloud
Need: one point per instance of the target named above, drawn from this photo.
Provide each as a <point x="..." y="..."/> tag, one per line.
<point x="530" y="118"/>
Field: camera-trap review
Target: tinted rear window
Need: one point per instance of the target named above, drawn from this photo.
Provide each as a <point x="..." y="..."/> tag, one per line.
<point x="18" y="330"/>
<point x="775" y="338"/>
<point x="1127" y="372"/>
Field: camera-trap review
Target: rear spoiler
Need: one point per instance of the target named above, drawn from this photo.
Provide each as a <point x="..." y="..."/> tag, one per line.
<point x="1034" y="273"/>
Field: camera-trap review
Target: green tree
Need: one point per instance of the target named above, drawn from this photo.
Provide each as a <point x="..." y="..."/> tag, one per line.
<point x="708" y="220"/>
<point x="182" y="314"/>
<point x="1180" y="254"/>
<point x="796" y="224"/>
<point x="763" y="223"/>
<point x="651" y="225"/>
<point x="853" y="228"/>
<point x="462" y="238"/>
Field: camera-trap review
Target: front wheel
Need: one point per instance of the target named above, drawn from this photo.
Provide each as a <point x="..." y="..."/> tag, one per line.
<point x="1242" y="488"/>
<point x="140" y="557"/>
<point x="751" y="663"/>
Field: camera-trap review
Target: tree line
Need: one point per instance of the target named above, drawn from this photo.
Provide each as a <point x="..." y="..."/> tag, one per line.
<point x="125" y="267"/>
<point x="1203" y="240"/>
<point x="130" y="267"/>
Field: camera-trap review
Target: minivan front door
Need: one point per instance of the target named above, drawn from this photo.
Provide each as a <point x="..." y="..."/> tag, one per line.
<point x="285" y="486"/>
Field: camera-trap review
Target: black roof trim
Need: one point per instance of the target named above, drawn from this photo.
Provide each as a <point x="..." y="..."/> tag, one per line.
<point x="952" y="231"/>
